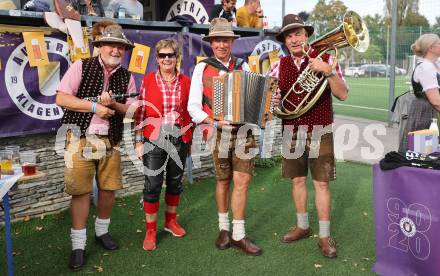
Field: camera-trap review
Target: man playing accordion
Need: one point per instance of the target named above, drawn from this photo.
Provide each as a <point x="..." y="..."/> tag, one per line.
<point x="231" y="166"/>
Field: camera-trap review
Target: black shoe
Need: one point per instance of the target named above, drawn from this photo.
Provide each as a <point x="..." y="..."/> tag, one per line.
<point x="77" y="259"/>
<point x="107" y="242"/>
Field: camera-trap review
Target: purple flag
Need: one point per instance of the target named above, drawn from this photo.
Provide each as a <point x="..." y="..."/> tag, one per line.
<point x="27" y="94"/>
<point x="407" y="221"/>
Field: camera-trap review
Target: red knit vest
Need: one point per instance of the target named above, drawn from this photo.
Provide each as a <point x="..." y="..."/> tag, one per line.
<point x="210" y="72"/>
<point x="322" y="112"/>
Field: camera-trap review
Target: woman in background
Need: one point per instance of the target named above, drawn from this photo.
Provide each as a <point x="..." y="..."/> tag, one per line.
<point x="425" y="82"/>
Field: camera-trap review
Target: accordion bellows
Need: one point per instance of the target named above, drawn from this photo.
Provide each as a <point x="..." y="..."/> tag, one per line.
<point x="243" y="97"/>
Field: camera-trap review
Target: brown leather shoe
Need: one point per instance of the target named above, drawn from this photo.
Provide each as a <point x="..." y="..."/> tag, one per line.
<point x="328" y="247"/>
<point x="224" y="240"/>
<point x="295" y="234"/>
<point x="247" y="246"/>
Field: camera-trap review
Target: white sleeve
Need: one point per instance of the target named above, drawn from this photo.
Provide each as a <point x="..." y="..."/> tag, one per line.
<point x="426" y="75"/>
<point x="195" y="107"/>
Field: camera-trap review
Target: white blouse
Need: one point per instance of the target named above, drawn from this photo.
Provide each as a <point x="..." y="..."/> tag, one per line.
<point x="426" y="74"/>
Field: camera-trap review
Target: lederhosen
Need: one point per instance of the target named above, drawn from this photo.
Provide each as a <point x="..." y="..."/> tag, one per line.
<point x="224" y="167"/>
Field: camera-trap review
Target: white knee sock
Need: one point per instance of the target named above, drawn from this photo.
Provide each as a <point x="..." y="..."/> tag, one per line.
<point x="302" y="220"/>
<point x="79" y="238"/>
<point x="101" y="226"/>
<point x="324" y="228"/>
<point x="238" y="231"/>
<point x="223" y="221"/>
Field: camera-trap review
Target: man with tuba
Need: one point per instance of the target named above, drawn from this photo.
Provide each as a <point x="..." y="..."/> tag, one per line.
<point x="294" y="34"/>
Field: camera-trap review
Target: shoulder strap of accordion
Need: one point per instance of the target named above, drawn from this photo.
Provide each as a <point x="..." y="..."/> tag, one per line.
<point x="238" y="63"/>
<point x="215" y="63"/>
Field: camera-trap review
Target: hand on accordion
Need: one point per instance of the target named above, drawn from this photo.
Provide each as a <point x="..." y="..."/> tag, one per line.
<point x="276" y="98"/>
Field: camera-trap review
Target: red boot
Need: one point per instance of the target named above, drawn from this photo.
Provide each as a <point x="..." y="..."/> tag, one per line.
<point x="150" y="236"/>
<point x="172" y="226"/>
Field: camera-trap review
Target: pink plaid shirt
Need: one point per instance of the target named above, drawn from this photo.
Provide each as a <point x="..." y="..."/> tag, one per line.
<point x="171" y="99"/>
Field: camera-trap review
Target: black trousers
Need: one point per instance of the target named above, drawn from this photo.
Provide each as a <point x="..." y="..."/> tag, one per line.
<point x="159" y="160"/>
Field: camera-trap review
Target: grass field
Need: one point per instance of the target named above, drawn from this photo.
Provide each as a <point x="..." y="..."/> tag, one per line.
<point x="368" y="97"/>
<point x="42" y="246"/>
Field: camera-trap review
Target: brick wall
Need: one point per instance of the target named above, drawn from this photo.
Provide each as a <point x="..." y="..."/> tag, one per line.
<point x="46" y="195"/>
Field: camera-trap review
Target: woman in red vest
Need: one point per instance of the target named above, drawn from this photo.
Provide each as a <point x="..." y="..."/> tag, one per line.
<point x="164" y="138"/>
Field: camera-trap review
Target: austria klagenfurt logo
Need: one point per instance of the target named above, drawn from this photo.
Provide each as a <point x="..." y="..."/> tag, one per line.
<point x="267" y="46"/>
<point x="189" y="8"/>
<point x="37" y="98"/>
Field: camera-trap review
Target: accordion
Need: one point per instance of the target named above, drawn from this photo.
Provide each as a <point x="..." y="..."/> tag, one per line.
<point x="243" y="97"/>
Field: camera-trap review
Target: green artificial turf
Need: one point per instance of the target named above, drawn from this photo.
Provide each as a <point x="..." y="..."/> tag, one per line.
<point x="369" y="93"/>
<point x="42" y="246"/>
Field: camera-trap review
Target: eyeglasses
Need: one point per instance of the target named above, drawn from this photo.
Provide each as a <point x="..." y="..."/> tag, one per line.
<point x="164" y="55"/>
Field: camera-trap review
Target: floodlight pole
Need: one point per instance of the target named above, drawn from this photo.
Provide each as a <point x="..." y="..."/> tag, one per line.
<point x="392" y="59"/>
<point x="283" y="9"/>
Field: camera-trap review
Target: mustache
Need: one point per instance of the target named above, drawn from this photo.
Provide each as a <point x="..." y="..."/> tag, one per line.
<point x="296" y="44"/>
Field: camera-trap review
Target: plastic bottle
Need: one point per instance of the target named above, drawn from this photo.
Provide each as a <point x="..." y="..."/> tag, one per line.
<point x="121" y="13"/>
<point x="434" y="127"/>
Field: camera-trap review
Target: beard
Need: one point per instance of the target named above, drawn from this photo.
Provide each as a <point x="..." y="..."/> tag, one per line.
<point x="113" y="61"/>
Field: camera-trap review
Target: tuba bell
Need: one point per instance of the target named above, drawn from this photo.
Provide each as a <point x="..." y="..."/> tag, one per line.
<point x="352" y="32"/>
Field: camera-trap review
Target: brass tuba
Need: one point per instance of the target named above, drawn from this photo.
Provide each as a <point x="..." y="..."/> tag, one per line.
<point x="351" y="32"/>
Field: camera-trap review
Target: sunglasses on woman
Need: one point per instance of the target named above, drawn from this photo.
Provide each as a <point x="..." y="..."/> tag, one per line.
<point x="164" y="55"/>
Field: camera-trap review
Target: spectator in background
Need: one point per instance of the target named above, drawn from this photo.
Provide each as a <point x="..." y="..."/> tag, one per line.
<point x="250" y="15"/>
<point x="426" y="83"/>
<point x="226" y="10"/>
<point x="133" y="8"/>
<point x="88" y="7"/>
<point x="38" y="6"/>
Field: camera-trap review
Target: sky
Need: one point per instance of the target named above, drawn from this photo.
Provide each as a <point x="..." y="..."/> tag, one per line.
<point x="272" y="8"/>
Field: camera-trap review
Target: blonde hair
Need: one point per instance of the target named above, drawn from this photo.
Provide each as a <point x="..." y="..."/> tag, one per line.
<point x="421" y="46"/>
<point x="168" y="43"/>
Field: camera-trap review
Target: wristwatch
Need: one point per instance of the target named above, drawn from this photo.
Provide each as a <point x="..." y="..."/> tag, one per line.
<point x="332" y="73"/>
<point x="139" y="139"/>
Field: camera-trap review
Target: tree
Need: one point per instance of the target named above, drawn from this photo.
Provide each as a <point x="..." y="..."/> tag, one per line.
<point x="373" y="54"/>
<point x="437" y="24"/>
<point x="325" y="17"/>
<point x="415" y="20"/>
<point x="378" y="32"/>
<point x="403" y="8"/>
<point x="304" y="15"/>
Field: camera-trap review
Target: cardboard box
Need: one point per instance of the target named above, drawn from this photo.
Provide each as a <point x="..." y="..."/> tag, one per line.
<point x="423" y="141"/>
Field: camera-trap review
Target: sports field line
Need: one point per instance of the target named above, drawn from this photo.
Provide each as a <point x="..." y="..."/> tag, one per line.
<point x="375" y="85"/>
<point x="362" y="107"/>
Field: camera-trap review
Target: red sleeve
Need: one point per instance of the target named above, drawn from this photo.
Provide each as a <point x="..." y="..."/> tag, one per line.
<point x="140" y="111"/>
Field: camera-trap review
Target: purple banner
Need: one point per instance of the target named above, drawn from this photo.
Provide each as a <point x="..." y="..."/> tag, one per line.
<point x="407" y="221"/>
<point x="27" y="94"/>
